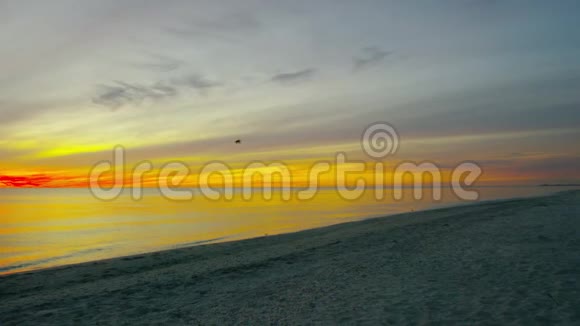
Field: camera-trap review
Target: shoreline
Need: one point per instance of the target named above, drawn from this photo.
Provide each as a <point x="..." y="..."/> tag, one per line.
<point x="212" y="283"/>
<point x="211" y="242"/>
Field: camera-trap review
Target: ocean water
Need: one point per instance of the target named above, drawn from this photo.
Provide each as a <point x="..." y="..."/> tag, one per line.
<point x="42" y="228"/>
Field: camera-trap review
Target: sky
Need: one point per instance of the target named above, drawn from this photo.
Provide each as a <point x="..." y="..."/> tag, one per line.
<point x="489" y="81"/>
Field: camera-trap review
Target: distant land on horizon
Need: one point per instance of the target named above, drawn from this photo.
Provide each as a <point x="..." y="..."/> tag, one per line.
<point x="559" y="185"/>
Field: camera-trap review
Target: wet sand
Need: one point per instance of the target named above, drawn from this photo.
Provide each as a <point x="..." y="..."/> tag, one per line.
<point x="507" y="262"/>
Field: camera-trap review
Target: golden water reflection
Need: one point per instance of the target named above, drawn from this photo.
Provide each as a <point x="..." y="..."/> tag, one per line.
<point x="50" y="227"/>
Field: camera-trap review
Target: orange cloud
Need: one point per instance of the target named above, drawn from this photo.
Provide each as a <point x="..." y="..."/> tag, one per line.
<point x="35" y="180"/>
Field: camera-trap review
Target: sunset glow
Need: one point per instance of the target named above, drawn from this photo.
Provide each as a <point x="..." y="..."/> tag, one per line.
<point x="182" y="82"/>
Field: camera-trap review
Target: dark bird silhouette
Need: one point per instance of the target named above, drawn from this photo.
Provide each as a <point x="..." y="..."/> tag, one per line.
<point x="238" y="141"/>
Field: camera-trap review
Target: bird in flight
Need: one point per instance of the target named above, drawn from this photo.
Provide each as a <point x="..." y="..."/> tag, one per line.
<point x="238" y="141"/>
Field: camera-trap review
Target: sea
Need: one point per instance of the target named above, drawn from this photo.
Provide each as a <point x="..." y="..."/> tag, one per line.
<point x="43" y="228"/>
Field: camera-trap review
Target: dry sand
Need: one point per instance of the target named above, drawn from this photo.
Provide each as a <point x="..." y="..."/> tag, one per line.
<point x="509" y="262"/>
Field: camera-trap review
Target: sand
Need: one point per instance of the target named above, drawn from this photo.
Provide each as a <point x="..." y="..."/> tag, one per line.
<point x="509" y="262"/>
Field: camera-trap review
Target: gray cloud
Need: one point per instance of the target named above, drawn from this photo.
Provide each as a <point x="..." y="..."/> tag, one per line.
<point x="122" y="93"/>
<point x="370" y="56"/>
<point x="293" y="77"/>
<point x="197" y="82"/>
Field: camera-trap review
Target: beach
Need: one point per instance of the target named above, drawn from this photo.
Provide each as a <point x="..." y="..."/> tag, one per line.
<point x="503" y="262"/>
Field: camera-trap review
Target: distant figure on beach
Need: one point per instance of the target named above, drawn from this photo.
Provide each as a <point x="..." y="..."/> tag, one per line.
<point x="238" y="141"/>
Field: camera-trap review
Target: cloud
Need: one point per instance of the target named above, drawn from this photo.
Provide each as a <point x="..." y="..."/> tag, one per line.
<point x="293" y="77"/>
<point x="35" y="180"/>
<point x="197" y="82"/>
<point x="123" y="93"/>
<point x="370" y="56"/>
